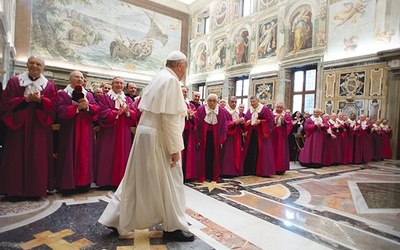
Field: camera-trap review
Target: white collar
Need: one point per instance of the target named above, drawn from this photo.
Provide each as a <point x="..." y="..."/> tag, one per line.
<point x="258" y="109"/>
<point x="114" y="96"/>
<point x="24" y="80"/>
<point x="208" y="110"/>
<point x="316" y="120"/>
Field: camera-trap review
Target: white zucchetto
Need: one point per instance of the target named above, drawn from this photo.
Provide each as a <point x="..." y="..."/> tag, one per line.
<point x="176" y="56"/>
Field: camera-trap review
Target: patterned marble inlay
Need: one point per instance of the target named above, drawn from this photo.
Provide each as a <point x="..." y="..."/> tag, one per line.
<point x="380" y="195"/>
<point x="376" y="82"/>
<point x="222" y="235"/>
<point x="376" y="196"/>
<point x="56" y="241"/>
<point x="8" y="208"/>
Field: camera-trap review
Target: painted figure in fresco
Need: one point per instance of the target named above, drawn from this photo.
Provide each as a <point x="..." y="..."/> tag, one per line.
<point x="268" y="38"/>
<point x="300" y="29"/>
<point x="220" y="13"/>
<point x="201" y="58"/>
<point x="241" y="46"/>
<point x="219" y="55"/>
<point x="350" y="12"/>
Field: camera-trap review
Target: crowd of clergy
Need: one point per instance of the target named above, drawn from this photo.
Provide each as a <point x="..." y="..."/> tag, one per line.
<point x="94" y="133"/>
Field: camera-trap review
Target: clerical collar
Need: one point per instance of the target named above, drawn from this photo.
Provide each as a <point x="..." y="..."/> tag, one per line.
<point x="33" y="78"/>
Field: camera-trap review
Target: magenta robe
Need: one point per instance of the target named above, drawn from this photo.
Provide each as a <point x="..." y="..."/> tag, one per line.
<point x="363" y="145"/>
<point x="189" y="165"/>
<point x="280" y="141"/>
<point x="313" y="151"/>
<point x="349" y="146"/>
<point x="232" y="150"/>
<point x="27" y="165"/>
<point x="265" y="157"/>
<point x="219" y="137"/>
<point x="113" y="141"/>
<point x="376" y="139"/>
<point x="338" y="145"/>
<point x="386" y="148"/>
<point x="76" y="143"/>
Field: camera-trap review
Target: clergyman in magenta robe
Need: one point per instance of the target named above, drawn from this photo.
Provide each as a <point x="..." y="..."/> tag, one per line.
<point x="341" y="131"/>
<point x="189" y="160"/>
<point x="352" y="132"/>
<point x="210" y="135"/>
<point x="363" y="141"/>
<point x="76" y="138"/>
<point x="232" y="149"/>
<point x="312" y="153"/>
<point x="376" y="139"/>
<point x="387" y="134"/>
<point x="282" y="128"/>
<point x="258" y="156"/>
<point x="28" y="106"/>
<point x="113" y="142"/>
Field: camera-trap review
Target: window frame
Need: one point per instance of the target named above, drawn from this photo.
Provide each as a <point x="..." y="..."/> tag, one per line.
<point x="304" y="92"/>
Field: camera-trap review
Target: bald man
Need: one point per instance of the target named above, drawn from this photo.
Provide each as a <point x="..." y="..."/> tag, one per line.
<point x="28" y="106"/>
<point x="76" y="139"/>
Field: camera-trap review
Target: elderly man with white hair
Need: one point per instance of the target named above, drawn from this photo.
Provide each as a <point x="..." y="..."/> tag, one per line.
<point x="151" y="191"/>
<point x="28" y="107"/>
<point x="210" y="136"/>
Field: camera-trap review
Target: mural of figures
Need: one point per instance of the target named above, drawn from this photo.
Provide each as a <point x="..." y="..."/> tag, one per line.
<point x="350" y="31"/>
<point x="350" y="43"/>
<point x="321" y="38"/>
<point x="217" y="89"/>
<point x="351" y="12"/>
<point x="241" y="47"/>
<point x="301" y="30"/>
<point x="267" y="3"/>
<point x="220" y="13"/>
<point x="267" y="42"/>
<point x="219" y="54"/>
<point x="201" y="58"/>
<point x="126" y="37"/>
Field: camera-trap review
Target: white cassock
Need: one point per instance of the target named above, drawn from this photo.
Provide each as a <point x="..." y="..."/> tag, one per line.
<point x="151" y="192"/>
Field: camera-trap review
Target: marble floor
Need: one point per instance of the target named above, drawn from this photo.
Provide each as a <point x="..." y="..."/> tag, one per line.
<point x="337" y="207"/>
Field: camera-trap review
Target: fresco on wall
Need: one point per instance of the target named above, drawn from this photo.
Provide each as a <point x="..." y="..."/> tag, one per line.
<point x="241" y="47"/>
<point x="264" y="4"/>
<point x="215" y="90"/>
<point x="267" y="38"/>
<point x="350" y="31"/>
<point x="352" y="84"/>
<point x="219" y="53"/>
<point x="220" y="13"/>
<point x="201" y="58"/>
<point x="301" y="29"/>
<point x="125" y="37"/>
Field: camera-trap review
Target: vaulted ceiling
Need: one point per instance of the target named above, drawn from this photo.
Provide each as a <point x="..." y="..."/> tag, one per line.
<point x="187" y="6"/>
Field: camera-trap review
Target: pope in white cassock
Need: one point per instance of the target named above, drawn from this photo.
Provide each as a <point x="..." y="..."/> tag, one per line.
<point x="151" y="191"/>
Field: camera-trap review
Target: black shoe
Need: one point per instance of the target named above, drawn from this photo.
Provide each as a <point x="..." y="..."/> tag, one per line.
<point x="178" y="235"/>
